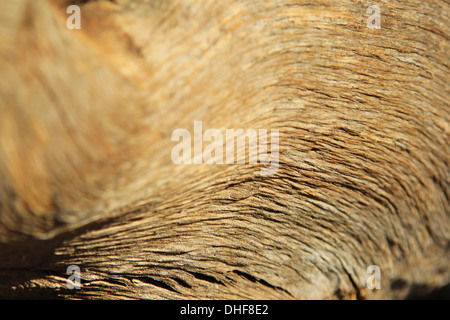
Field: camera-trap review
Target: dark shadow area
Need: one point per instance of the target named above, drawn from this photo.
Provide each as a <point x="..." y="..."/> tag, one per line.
<point x="436" y="294"/>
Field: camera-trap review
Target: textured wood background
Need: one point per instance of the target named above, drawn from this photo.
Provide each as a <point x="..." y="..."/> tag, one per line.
<point x="86" y="176"/>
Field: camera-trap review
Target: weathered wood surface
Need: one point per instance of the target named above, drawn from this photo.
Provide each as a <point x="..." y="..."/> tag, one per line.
<point x="86" y="118"/>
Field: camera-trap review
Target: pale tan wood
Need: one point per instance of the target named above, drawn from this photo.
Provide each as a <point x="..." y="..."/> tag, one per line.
<point x="86" y="118"/>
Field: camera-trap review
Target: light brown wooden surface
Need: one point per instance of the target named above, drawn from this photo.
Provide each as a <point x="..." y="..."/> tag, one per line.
<point x="86" y="118"/>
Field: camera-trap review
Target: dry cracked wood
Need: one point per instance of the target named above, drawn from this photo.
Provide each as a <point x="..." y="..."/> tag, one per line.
<point x="86" y="176"/>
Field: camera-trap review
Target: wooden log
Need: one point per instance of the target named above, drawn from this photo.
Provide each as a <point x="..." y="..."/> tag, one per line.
<point x="87" y="177"/>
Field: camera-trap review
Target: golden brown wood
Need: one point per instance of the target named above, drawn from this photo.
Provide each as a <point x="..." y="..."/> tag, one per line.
<point x="86" y="175"/>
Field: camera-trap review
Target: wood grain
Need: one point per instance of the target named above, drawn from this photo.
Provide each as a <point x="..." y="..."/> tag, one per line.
<point x="86" y="118"/>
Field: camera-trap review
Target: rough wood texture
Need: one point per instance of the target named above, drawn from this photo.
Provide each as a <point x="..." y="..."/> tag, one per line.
<point x="86" y="174"/>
